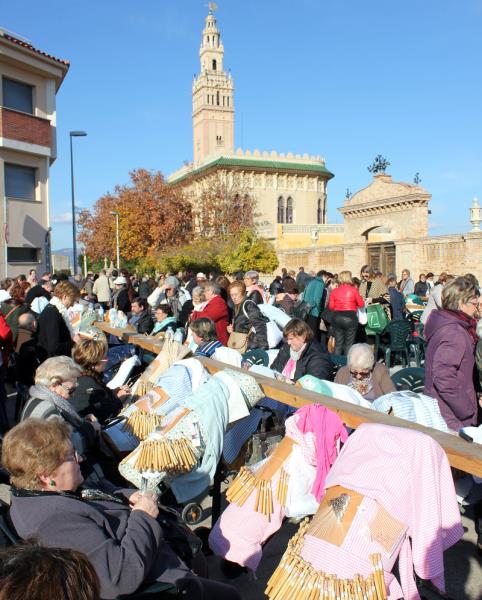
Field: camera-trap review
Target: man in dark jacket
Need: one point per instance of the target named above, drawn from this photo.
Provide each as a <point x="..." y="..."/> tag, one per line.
<point x="141" y="318"/>
<point x="397" y="301"/>
<point x="43" y="288"/>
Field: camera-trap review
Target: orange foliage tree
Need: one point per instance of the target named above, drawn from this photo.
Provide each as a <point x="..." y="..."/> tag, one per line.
<point x="152" y="217"/>
<point x="222" y="208"/>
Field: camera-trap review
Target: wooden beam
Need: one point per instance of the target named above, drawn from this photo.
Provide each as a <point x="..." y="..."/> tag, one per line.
<point x="461" y="454"/>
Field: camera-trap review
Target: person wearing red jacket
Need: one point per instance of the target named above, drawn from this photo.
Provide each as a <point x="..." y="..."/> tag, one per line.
<point x="216" y="309"/>
<point x="344" y="301"/>
<point x="6" y="342"/>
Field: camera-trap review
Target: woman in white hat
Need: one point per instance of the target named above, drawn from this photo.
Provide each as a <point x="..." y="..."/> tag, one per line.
<point x="120" y="298"/>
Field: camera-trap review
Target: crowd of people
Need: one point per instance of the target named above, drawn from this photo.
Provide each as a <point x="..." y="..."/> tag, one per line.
<point x="52" y="448"/>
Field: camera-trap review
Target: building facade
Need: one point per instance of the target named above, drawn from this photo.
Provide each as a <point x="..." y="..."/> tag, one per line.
<point x="385" y="224"/>
<point x="287" y="188"/>
<point x="30" y="80"/>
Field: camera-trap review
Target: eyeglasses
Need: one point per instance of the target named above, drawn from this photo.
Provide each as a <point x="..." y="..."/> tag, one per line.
<point x="476" y="304"/>
<point x="74" y="457"/>
<point x="68" y="389"/>
<point x="361" y="374"/>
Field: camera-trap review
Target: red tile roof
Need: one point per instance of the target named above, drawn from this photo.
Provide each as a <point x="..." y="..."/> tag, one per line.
<point x="30" y="47"/>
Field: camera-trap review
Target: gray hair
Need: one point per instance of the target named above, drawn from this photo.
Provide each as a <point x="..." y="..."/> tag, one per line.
<point x="252" y="275"/>
<point x="214" y="287"/>
<point x="198" y="291"/>
<point x="56" y="370"/>
<point x="360" y="356"/>
<point x="27" y="321"/>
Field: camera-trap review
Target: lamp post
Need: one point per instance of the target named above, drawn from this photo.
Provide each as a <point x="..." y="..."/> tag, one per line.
<point x="74" y="229"/>
<point x="116" y="214"/>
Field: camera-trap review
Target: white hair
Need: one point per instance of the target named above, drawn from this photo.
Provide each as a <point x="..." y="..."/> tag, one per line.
<point x="360" y="356"/>
<point x="56" y="370"/>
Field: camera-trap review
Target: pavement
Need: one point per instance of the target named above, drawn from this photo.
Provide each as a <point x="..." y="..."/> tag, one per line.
<point x="463" y="566"/>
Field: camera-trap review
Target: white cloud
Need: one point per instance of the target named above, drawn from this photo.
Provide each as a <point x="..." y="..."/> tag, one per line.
<point x="62" y="219"/>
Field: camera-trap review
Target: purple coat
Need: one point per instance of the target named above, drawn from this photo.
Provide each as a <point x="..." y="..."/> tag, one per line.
<point x="449" y="368"/>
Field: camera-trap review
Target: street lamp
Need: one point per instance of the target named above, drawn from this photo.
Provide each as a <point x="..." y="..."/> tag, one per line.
<point x="116" y="214"/>
<point x="74" y="231"/>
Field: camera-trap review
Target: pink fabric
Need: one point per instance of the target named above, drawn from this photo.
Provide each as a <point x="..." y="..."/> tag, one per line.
<point x="408" y="473"/>
<point x="289" y="368"/>
<point x="352" y="556"/>
<point x="240" y="531"/>
<point x="328" y="428"/>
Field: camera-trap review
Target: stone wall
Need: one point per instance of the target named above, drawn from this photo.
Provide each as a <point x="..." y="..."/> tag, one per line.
<point x="457" y="254"/>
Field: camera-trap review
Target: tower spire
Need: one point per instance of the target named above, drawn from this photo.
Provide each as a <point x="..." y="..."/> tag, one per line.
<point x="212" y="96"/>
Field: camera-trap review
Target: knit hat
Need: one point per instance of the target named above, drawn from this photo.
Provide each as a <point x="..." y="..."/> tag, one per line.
<point x="121" y="280"/>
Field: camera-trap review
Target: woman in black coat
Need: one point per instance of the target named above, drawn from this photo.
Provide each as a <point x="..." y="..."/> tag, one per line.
<point x="247" y="318"/>
<point x="92" y="396"/>
<point x="301" y="354"/>
<point x="55" y="335"/>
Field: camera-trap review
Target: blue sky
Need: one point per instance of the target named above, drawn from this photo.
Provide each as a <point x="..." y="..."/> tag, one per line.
<point x="346" y="79"/>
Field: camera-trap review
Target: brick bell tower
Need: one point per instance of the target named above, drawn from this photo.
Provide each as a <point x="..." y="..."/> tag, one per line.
<point x="212" y="98"/>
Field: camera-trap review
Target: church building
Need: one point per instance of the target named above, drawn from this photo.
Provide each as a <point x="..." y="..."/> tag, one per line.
<point x="288" y="189"/>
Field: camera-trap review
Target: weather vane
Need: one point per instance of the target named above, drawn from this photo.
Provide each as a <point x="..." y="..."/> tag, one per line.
<point x="379" y="165"/>
<point x="212" y="6"/>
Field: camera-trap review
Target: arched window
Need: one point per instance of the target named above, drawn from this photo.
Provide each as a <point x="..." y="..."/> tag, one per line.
<point x="319" y="212"/>
<point x="281" y="210"/>
<point x="289" y="210"/>
<point x="214" y="64"/>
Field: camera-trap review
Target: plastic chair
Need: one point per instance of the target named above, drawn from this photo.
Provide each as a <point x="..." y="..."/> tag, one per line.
<point x="412" y="379"/>
<point x="399" y="333"/>
<point x="339" y="361"/>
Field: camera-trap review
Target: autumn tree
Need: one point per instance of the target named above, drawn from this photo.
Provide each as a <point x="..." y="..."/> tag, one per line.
<point x="249" y="252"/>
<point x="222" y="207"/>
<point x="152" y="217"/>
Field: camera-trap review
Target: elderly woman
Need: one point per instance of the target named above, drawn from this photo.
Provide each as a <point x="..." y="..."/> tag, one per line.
<point x="123" y="532"/>
<point x="55" y="382"/>
<point x="205" y="337"/>
<point x="368" y="378"/>
<point x="247" y="318"/>
<point x="120" y="297"/>
<point x="254" y="290"/>
<point x="449" y="362"/>
<point x="164" y="319"/>
<point x="92" y="396"/>
<point x="215" y="309"/>
<point x="301" y="354"/>
<point x="55" y="334"/>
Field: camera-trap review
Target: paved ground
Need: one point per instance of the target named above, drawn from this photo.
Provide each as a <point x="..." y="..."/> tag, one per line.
<point x="463" y="567"/>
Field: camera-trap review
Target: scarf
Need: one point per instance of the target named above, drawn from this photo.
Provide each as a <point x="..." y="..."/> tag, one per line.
<point x="290" y="366"/>
<point x="68" y="411"/>
<point x="63" y="311"/>
<point x="161" y="324"/>
<point x="465" y="318"/>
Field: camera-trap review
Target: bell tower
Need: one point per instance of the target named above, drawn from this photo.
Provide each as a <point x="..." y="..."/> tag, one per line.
<point x="212" y="98"/>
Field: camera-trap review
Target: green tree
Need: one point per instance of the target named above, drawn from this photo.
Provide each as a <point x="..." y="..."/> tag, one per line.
<point x="250" y="252"/>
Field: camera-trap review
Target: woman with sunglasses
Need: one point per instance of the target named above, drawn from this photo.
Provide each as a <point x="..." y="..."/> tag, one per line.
<point x="50" y="397"/>
<point x="361" y="373"/>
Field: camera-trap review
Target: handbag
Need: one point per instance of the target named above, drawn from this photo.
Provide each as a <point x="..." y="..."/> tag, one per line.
<point x="377" y="319"/>
<point x="361" y="314"/>
<point x="238" y="341"/>
<point x="331" y="344"/>
<point x="301" y="310"/>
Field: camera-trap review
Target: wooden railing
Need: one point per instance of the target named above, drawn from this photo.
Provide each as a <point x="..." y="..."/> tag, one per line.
<point x="461" y="454"/>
